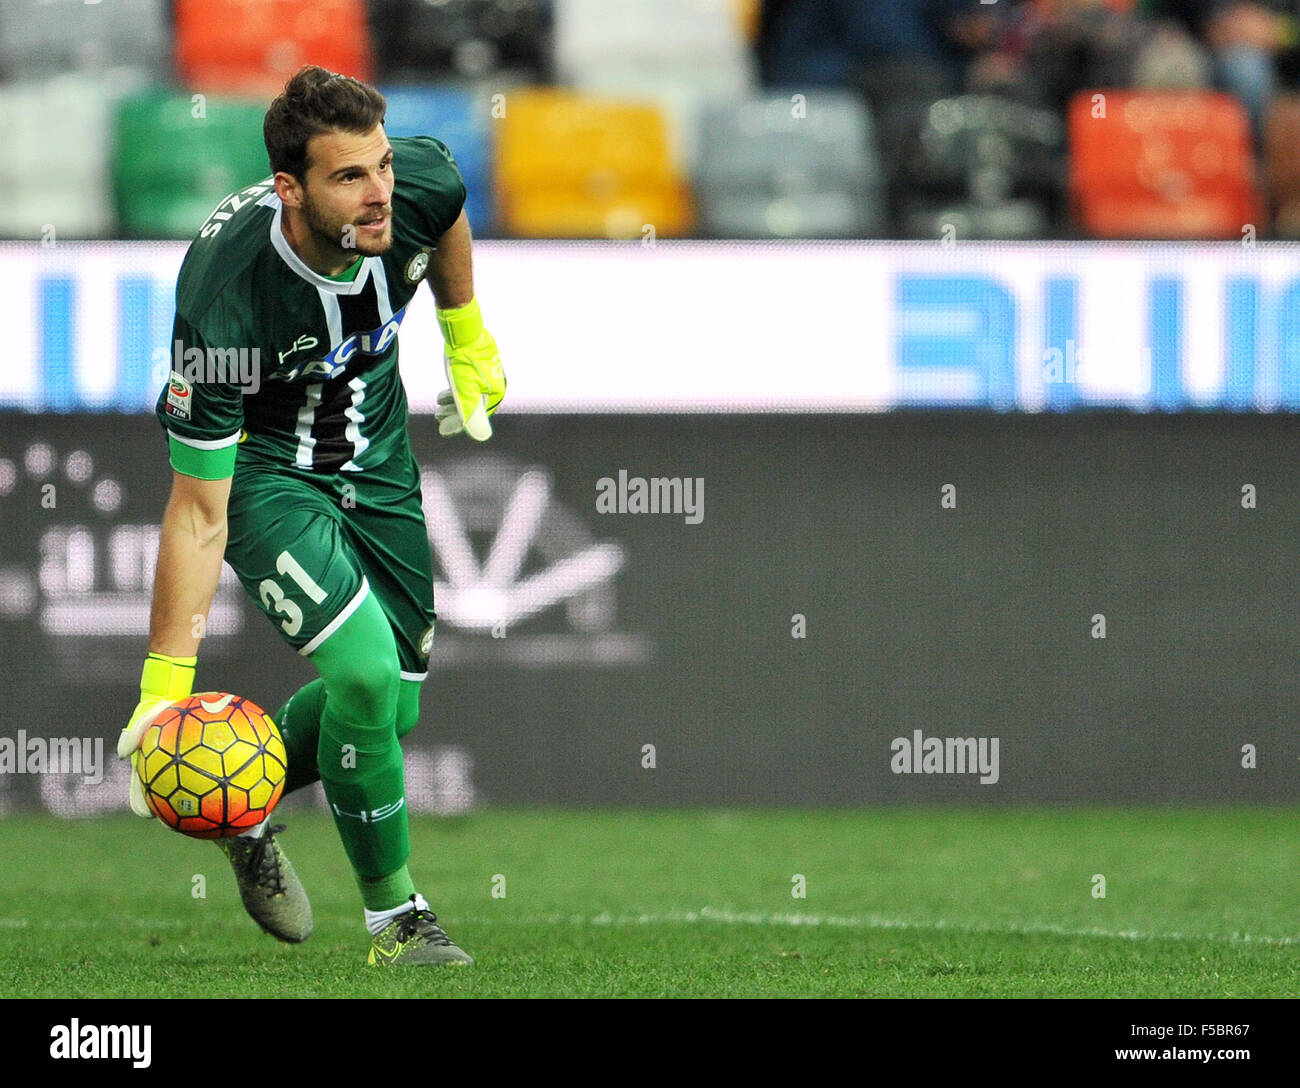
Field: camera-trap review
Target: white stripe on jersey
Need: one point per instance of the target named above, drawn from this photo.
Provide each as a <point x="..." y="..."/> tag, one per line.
<point x="306" y="418"/>
<point x="329" y="302"/>
<point x="333" y="316"/>
<point x="381" y="289"/>
<point x="353" y="429"/>
<point x="300" y="269"/>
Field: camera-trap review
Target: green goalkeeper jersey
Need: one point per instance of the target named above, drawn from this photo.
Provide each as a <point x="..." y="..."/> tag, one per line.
<point x="275" y="364"/>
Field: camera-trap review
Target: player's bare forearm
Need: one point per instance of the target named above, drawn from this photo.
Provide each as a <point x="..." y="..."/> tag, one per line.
<point x="190" y="552"/>
<point x="451" y="272"/>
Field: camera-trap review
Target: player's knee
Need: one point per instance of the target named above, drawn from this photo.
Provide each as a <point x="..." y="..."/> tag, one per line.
<point x="360" y="668"/>
<point x="367" y="686"/>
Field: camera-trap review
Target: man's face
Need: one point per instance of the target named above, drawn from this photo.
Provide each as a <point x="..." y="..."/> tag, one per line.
<point x="348" y="191"/>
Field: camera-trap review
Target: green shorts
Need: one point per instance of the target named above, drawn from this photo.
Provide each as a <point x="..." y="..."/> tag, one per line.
<point x="308" y="547"/>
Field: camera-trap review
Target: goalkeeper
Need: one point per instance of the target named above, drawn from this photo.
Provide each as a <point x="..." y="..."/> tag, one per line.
<point x="304" y="479"/>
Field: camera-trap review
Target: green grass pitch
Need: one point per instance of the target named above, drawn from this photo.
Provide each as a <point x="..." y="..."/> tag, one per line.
<point x="899" y="902"/>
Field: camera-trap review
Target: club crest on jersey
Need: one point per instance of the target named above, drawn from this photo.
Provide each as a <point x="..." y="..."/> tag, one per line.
<point x="417" y="266"/>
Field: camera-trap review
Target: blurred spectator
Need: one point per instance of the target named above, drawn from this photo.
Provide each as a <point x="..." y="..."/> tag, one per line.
<point x="1039" y="51"/>
<point x="1173" y="59"/>
<point x="831" y="42"/>
<point x="1048" y="50"/>
<point x="1255" y="43"/>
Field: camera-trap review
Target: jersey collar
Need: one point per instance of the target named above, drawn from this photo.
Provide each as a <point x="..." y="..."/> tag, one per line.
<point x="281" y="245"/>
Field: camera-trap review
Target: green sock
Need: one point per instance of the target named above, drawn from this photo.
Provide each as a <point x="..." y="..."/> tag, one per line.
<point x="299" y="722"/>
<point x="386" y="892"/>
<point x="366" y="789"/>
<point x="358" y="755"/>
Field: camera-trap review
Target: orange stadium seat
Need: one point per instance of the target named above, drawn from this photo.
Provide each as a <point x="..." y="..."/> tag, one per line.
<point x="253" y="46"/>
<point x="573" y="166"/>
<point x="1161" y="164"/>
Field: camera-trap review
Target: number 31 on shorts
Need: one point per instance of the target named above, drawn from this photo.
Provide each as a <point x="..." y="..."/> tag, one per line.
<point x="273" y="596"/>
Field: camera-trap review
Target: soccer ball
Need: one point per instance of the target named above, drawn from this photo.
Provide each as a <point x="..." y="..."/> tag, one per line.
<point x="212" y="765"/>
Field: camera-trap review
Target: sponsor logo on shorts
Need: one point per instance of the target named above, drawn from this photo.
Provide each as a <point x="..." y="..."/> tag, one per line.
<point x="426" y="641"/>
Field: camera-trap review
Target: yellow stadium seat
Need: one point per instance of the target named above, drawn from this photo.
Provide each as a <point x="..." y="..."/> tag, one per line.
<point x="571" y="214"/>
<point x="746" y="14"/>
<point x="568" y="165"/>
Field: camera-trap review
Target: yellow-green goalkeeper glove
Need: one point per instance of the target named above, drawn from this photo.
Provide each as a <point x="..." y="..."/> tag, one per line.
<point x="163" y="681"/>
<point x="474" y="372"/>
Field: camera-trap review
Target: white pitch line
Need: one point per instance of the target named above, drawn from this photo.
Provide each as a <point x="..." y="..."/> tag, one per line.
<point x="728" y="917"/>
<point x="102" y="923"/>
<point x="877" y="921"/>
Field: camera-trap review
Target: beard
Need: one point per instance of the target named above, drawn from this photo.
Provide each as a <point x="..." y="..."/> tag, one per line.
<point x="335" y="234"/>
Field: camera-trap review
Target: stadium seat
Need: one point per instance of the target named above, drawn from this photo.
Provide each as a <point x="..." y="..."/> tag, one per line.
<point x="252" y="46"/>
<point x="1161" y="164"/>
<point x="170" y="168"/>
<point x="55" y="168"/>
<point x="38" y="40"/>
<point x="571" y="166"/>
<point x="682" y="55"/>
<point x="986" y="166"/>
<point x="461" y="119"/>
<point x="687" y="37"/>
<point x="790" y="165"/>
<point x="1281" y="164"/>
<point x="682" y="103"/>
<point x="899" y="93"/>
<point x="419" y="41"/>
<point x="745" y="14"/>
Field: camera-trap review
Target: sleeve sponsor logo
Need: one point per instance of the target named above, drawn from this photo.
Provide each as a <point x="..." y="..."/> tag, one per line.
<point x="178" y="396"/>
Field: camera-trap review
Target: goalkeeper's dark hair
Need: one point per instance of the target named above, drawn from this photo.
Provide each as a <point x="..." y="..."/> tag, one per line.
<point x="317" y="100"/>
